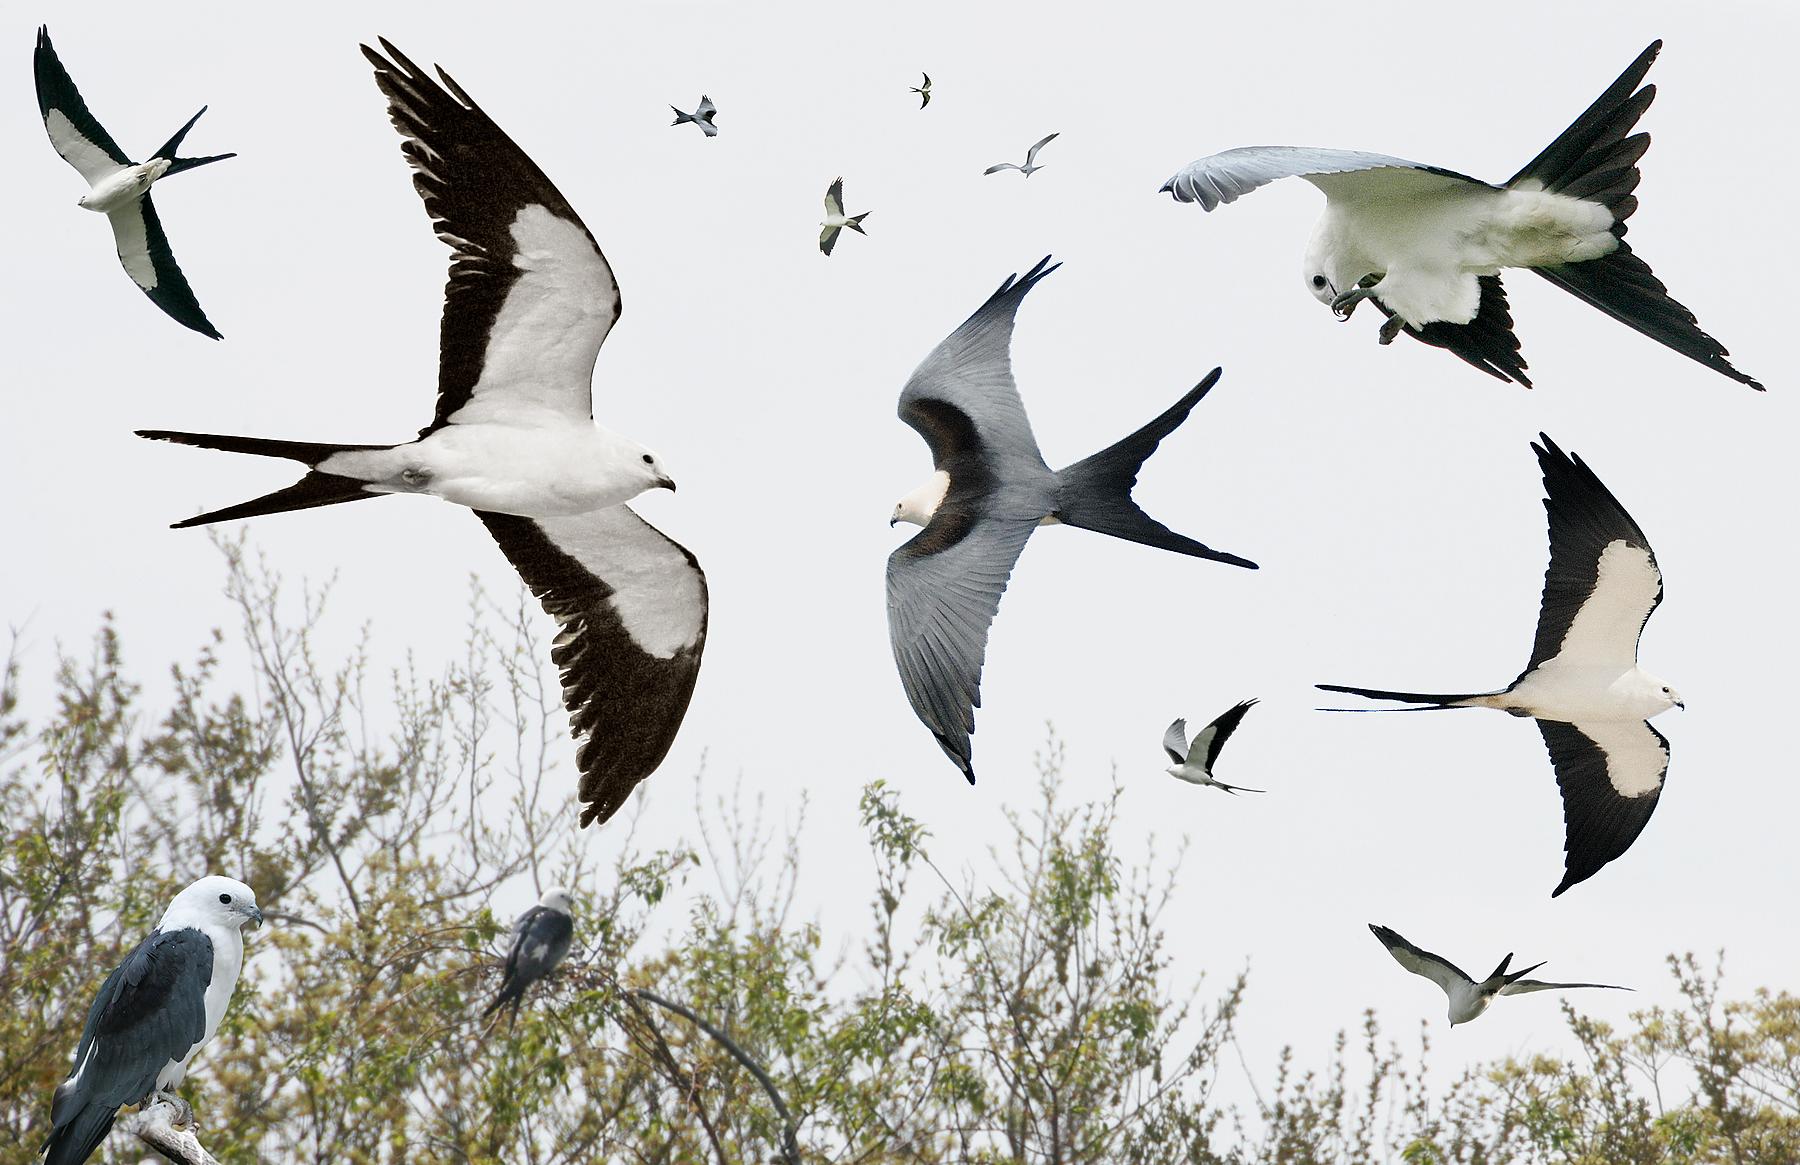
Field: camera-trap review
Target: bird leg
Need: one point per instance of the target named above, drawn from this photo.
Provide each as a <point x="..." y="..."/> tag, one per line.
<point x="184" y="1112"/>
<point x="1389" y="330"/>
<point x="1345" y="305"/>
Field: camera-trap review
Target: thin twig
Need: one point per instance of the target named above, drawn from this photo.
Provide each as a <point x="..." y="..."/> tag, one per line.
<point x="790" y="1136"/>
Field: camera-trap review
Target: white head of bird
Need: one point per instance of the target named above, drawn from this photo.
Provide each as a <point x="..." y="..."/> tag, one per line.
<point x="212" y="902"/>
<point x="558" y="899"/>
<point x="918" y="506"/>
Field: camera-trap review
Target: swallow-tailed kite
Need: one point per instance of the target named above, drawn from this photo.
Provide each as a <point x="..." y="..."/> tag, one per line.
<point x="529" y="302"/>
<point x="120" y="188"/>
<point x="1583" y="685"/>
<point x="835" y="220"/>
<point x="1468" y="998"/>
<point x="1030" y="167"/>
<point x="540" y="941"/>
<point x="924" y="91"/>
<point x="1427" y="244"/>
<point x="990" y="491"/>
<point x="1194" y="763"/>
<point x="158" y="1007"/>
<point x="702" y="117"/>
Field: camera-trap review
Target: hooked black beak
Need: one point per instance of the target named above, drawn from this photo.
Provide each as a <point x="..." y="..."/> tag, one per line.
<point x="667" y="483"/>
<point x="255" y="915"/>
<point x="892" y="522"/>
<point x="1682" y="705"/>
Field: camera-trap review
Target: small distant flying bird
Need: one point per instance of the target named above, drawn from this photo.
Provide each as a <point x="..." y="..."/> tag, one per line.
<point x="1583" y="685"/>
<point x="702" y="117"/>
<point x="1427" y="244"/>
<point x="1468" y="998"/>
<point x="529" y="302"/>
<point x="154" y="1012"/>
<point x="1030" y="167"/>
<point x="540" y="942"/>
<point x="120" y="188"/>
<point x="924" y="91"/>
<point x="991" y="489"/>
<point x="835" y="220"/>
<point x="1194" y="763"/>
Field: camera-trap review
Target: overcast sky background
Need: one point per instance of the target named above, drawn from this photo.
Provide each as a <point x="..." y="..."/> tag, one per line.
<point x="1389" y="493"/>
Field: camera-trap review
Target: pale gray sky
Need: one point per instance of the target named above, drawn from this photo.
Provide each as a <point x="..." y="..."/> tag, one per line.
<point x="1389" y="494"/>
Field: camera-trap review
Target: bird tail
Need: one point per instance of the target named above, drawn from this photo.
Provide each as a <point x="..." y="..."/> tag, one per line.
<point x="1095" y="492"/>
<point x="315" y="489"/>
<point x="1596" y="159"/>
<point x="177" y="165"/>
<point x="855" y="223"/>
<point x="682" y="118"/>
<point x="74" y="1142"/>
<point x="1434" y="702"/>
<point x="510" y="993"/>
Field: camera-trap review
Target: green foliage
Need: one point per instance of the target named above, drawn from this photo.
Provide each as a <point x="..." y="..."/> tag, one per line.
<point x="1028" y="1016"/>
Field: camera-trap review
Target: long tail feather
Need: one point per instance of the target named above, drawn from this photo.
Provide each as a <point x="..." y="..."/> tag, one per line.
<point x="310" y="492"/>
<point x="1437" y="701"/>
<point x="1095" y="492"/>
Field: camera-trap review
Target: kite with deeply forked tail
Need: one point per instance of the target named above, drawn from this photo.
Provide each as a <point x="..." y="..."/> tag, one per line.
<point x="529" y="302"/>
<point x="120" y="188"/>
<point x="1583" y="685"/>
<point x="1426" y="244"/>
<point x="1468" y="999"/>
<point x="991" y="489"/>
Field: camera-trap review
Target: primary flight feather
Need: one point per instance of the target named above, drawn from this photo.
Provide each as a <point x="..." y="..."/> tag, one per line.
<point x="529" y="302"/>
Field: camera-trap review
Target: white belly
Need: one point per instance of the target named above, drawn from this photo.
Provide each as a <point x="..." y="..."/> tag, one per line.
<point x="1430" y="249"/>
<point x="531" y="472"/>
<point x="1584" y="695"/>
<point x="123" y="186"/>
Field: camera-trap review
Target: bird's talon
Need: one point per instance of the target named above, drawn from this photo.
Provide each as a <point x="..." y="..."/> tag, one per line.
<point x="1344" y="306"/>
<point x="1390" y="329"/>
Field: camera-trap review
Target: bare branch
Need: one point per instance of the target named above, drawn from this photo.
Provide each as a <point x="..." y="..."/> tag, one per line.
<point x="155" y="1126"/>
<point x="790" y="1136"/>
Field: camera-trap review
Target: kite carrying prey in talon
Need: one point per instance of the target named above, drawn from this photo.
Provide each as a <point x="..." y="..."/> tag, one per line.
<point x="154" y="1012"/>
<point x="1194" y="763"/>
<point x="1468" y="999"/>
<point x="702" y="117"/>
<point x="529" y="302"/>
<point x="540" y="942"/>
<point x="990" y="491"/>
<point x="120" y="188"/>
<point x="1426" y="244"/>
<point x="1583" y="685"/>
<point x="835" y="221"/>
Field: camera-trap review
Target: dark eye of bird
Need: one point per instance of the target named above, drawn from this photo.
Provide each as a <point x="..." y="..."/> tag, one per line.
<point x="225" y="898"/>
<point x="1318" y="281"/>
<point x="649" y="460"/>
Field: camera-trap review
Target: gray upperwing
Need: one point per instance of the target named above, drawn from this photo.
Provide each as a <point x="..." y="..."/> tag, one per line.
<point x="150" y="1010"/>
<point x="943" y="590"/>
<point x="1175" y="742"/>
<point x="1228" y="176"/>
<point x="541" y="940"/>
<point x="971" y="371"/>
<point x="1032" y="153"/>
